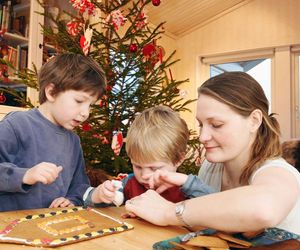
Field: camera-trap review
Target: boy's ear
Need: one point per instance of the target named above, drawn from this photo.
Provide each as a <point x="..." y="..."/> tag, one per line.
<point x="255" y="120"/>
<point x="49" y="92"/>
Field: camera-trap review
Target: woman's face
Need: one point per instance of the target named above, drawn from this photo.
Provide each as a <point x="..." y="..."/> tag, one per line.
<point x="225" y="134"/>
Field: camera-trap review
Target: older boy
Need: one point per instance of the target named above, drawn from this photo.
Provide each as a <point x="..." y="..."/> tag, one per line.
<point x="156" y="141"/>
<point x="41" y="160"/>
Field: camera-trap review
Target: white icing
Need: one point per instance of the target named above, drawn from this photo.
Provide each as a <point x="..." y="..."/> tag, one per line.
<point x="13" y="239"/>
<point x="117" y="184"/>
<point x="119" y="196"/>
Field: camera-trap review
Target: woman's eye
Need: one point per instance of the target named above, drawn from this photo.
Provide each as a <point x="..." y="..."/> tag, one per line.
<point x="217" y="125"/>
<point x="79" y="101"/>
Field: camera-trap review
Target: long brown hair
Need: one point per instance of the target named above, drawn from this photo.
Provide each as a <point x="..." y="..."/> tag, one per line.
<point x="243" y="94"/>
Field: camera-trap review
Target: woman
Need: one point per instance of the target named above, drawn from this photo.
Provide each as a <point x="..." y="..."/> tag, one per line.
<point x="256" y="188"/>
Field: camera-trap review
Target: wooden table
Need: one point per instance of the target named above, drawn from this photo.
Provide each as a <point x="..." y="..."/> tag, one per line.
<point x="143" y="236"/>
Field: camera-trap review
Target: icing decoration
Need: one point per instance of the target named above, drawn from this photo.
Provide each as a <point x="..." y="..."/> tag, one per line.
<point x="119" y="196"/>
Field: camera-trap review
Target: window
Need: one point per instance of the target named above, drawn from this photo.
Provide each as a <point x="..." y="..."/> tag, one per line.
<point x="259" y="69"/>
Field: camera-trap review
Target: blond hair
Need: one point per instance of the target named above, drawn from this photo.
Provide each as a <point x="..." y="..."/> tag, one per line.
<point x="157" y="134"/>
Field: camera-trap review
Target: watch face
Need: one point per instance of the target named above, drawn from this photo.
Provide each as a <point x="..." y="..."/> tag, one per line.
<point x="179" y="209"/>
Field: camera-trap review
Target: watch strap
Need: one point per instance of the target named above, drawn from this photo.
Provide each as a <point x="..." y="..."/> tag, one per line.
<point x="179" y="213"/>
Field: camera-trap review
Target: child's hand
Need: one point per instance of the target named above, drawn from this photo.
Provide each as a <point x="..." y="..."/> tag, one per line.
<point x="61" y="202"/>
<point x="105" y="192"/>
<point x="44" y="172"/>
<point x="161" y="180"/>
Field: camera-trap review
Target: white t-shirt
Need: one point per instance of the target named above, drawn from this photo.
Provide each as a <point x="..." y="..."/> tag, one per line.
<point x="211" y="174"/>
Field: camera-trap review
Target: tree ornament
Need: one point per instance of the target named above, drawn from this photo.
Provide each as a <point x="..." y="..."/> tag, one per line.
<point x="133" y="48"/>
<point x="141" y="21"/>
<point x="156" y="2"/>
<point x="117" y="142"/>
<point x="2" y="98"/>
<point x="86" y="127"/>
<point x="148" y="49"/>
<point x="116" y="18"/>
<point x="108" y="88"/>
<point x="85" y="40"/>
<point x="84" y="6"/>
<point x="74" y="27"/>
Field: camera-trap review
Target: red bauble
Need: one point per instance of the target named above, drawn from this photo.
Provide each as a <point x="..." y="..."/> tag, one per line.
<point x="148" y="49"/>
<point x="156" y="2"/>
<point x="2" y="98"/>
<point x="133" y="48"/>
<point x="86" y="127"/>
<point x="108" y="88"/>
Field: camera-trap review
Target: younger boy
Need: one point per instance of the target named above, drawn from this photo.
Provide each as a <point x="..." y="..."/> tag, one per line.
<point x="41" y="160"/>
<point x="156" y="141"/>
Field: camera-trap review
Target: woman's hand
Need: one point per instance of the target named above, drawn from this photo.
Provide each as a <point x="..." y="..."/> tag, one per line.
<point x="151" y="207"/>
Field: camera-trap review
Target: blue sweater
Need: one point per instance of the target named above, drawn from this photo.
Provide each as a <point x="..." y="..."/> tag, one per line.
<point x="26" y="139"/>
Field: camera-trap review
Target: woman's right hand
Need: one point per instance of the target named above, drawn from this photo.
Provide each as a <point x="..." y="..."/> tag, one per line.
<point x="152" y="207"/>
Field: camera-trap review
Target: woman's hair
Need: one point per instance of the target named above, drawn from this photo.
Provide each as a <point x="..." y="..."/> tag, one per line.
<point x="243" y="94"/>
<point x="157" y="134"/>
<point x="71" y="72"/>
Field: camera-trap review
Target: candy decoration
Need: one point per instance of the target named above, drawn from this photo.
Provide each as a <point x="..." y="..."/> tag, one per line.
<point x="73" y="27"/>
<point x="141" y="21"/>
<point x="84" y="5"/>
<point x="116" y="18"/>
<point x="85" y="40"/>
<point x="117" y="142"/>
<point x="156" y="2"/>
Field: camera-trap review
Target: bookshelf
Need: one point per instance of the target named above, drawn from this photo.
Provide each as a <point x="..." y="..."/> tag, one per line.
<point x="21" y="37"/>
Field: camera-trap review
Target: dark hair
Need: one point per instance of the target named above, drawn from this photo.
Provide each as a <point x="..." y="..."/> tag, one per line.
<point x="297" y="156"/>
<point x="71" y="71"/>
<point x="243" y="94"/>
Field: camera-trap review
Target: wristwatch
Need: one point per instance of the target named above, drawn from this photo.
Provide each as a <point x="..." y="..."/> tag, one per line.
<point x="179" y="209"/>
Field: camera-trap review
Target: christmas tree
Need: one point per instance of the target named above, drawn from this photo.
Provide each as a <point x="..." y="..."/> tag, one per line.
<point x="137" y="69"/>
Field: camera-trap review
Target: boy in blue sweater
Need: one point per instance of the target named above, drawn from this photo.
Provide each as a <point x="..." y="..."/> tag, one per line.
<point x="41" y="160"/>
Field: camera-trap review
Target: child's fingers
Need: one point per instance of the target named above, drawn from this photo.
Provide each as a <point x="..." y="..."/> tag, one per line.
<point x="66" y="203"/>
<point x="151" y="181"/>
<point x="59" y="169"/>
<point x="109" y="186"/>
<point x="55" y="203"/>
<point x="161" y="189"/>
